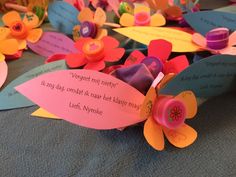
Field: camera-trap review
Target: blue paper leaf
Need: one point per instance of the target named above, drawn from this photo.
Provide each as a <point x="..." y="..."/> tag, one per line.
<point x="204" y="21"/>
<point x="10" y="98"/>
<point x="63" y="16"/>
<point x="206" y="78"/>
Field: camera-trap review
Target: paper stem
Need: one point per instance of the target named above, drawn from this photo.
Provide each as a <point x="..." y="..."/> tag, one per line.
<point x="112" y="25"/>
<point x="16" y="7"/>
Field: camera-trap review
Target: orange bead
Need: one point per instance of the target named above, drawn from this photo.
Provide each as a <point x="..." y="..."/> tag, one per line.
<point x="18" y="29"/>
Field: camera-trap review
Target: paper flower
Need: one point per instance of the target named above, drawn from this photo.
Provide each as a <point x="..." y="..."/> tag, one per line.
<point x="93" y="53"/>
<point x="22" y="30"/>
<point x="157" y="59"/>
<point x="142" y="17"/>
<point x="91" y="24"/>
<point x="217" y="41"/>
<point x="166" y="116"/>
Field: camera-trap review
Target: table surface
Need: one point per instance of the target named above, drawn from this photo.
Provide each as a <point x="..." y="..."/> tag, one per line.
<point x="34" y="147"/>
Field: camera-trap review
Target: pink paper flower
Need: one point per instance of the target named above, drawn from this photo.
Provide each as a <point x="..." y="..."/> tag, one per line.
<point x="94" y="53"/>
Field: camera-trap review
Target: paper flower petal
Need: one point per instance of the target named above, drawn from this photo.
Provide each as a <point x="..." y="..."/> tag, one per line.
<point x="162" y="5"/>
<point x="22" y="44"/>
<point x="110" y="42"/>
<point x="165" y="80"/>
<point x="228" y="51"/>
<point x="4" y="32"/>
<point x="80" y="43"/>
<point x="127" y="19"/>
<point x="3" y="70"/>
<point x="85" y="15"/>
<point x="114" y="54"/>
<point x="232" y="39"/>
<point x="95" y="65"/>
<point x="101" y="33"/>
<point x="153" y="134"/>
<point x="190" y="102"/>
<point x="176" y="65"/>
<point x="99" y="17"/>
<point x="75" y="60"/>
<point x="139" y="9"/>
<point x="173" y="12"/>
<point x="10" y="17"/>
<point x="34" y="35"/>
<point x="151" y="4"/>
<point x="181" y="137"/>
<point x="31" y="20"/>
<point x="2" y="57"/>
<point x="199" y="40"/>
<point x="44" y="114"/>
<point x="134" y="58"/>
<point x="157" y="20"/>
<point x="160" y="49"/>
<point x="9" y="46"/>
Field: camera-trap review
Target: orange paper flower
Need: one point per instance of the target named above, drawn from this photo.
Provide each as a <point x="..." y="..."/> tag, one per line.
<point x="166" y="115"/>
<point x="142" y="17"/>
<point x="91" y="24"/>
<point x="21" y="30"/>
<point x="93" y="53"/>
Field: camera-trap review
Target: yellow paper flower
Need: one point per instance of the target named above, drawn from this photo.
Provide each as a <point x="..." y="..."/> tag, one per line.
<point x="91" y="24"/>
<point x="142" y="17"/>
<point x="21" y="30"/>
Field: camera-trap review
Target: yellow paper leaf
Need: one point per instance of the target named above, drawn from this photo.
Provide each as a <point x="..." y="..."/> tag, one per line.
<point x="181" y="41"/>
<point x="44" y="114"/>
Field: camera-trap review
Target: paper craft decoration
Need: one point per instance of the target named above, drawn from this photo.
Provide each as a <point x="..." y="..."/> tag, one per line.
<point x="217" y="41"/>
<point x="204" y="21"/>
<point x="166" y="114"/>
<point x="3" y="72"/>
<point x="53" y="43"/>
<point x="12" y="99"/>
<point x="157" y="59"/>
<point x="208" y="77"/>
<point x="86" y="98"/>
<point x="181" y="41"/>
<point x="44" y="114"/>
<point x="91" y="24"/>
<point x="93" y="53"/>
<point x="7" y="46"/>
<point x="229" y="9"/>
<point x="63" y="16"/>
<point x="79" y="4"/>
<point x="21" y="30"/>
<point x="142" y="17"/>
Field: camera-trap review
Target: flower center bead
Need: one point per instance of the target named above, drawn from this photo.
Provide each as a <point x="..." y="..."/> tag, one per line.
<point x="142" y="19"/>
<point x="169" y="112"/>
<point x="218" y="38"/>
<point x="154" y="65"/>
<point x="94" y="50"/>
<point x="88" y="29"/>
<point x="18" y="29"/>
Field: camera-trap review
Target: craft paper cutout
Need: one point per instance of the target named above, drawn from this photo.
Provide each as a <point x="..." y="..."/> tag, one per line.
<point x="7" y="46"/>
<point x="86" y="98"/>
<point x="230" y="9"/>
<point x="12" y="99"/>
<point x="157" y="59"/>
<point x="3" y="72"/>
<point x="91" y="24"/>
<point x="53" y="43"/>
<point x="204" y="21"/>
<point x="93" y="53"/>
<point x="63" y="16"/>
<point x="166" y="114"/>
<point x="181" y="41"/>
<point x="22" y="29"/>
<point x="208" y="77"/>
<point x="219" y="42"/>
<point x="44" y="114"/>
<point x="142" y="17"/>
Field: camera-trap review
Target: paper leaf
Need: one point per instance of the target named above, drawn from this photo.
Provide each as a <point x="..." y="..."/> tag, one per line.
<point x="181" y="41"/>
<point x="85" y="97"/>
<point x="206" y="78"/>
<point x="10" y="98"/>
<point x="63" y="16"/>
<point x="3" y="72"/>
<point x="230" y="9"/>
<point x="204" y="21"/>
<point x="53" y="43"/>
<point x="44" y="114"/>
